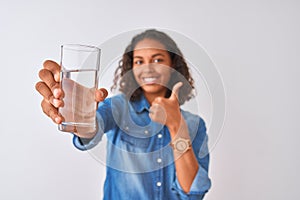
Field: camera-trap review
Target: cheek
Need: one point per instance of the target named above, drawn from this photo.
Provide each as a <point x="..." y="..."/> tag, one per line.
<point x="168" y="78"/>
<point x="136" y="73"/>
<point x="166" y="75"/>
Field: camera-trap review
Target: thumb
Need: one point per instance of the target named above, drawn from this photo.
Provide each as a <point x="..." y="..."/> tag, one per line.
<point x="100" y="94"/>
<point x="175" y="91"/>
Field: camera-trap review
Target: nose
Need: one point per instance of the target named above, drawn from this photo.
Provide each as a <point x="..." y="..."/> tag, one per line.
<point x="148" y="68"/>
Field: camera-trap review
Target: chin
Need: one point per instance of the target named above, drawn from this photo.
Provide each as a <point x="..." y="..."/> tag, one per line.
<point x="153" y="88"/>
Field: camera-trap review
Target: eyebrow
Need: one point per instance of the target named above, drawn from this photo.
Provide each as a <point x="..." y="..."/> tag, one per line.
<point x="157" y="54"/>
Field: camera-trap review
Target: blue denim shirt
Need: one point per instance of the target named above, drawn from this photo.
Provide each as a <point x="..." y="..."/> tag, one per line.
<point x="140" y="162"/>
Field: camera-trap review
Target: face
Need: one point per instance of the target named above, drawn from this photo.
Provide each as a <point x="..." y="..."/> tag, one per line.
<point x="151" y="67"/>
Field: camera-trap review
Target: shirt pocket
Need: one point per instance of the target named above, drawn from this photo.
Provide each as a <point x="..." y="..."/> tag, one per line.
<point x="135" y="144"/>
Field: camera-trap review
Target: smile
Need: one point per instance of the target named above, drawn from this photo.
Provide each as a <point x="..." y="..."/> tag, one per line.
<point x="149" y="80"/>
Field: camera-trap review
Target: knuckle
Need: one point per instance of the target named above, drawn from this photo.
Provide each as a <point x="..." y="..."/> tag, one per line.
<point x="43" y="104"/>
<point x="52" y="85"/>
<point x="153" y="108"/>
<point x="44" y="107"/>
<point x="153" y="117"/>
<point x="49" y="97"/>
<point x="159" y="99"/>
<point x="45" y="112"/>
<point x="51" y="113"/>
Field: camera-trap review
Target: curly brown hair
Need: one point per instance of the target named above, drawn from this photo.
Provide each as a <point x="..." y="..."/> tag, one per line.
<point x="128" y="84"/>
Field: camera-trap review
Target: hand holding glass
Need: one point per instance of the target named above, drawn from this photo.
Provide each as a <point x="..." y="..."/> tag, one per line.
<point x="79" y="81"/>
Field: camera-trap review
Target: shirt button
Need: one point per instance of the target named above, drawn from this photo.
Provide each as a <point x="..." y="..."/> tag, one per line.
<point x="159" y="135"/>
<point x="146" y="132"/>
<point x="159" y="160"/>
<point x="126" y="128"/>
<point x="158" y="184"/>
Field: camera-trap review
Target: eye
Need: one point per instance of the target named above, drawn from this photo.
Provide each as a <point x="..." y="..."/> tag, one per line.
<point x="138" y="62"/>
<point x="158" y="60"/>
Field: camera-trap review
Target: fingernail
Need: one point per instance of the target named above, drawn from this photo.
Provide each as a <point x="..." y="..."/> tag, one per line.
<point x="56" y="77"/>
<point x="56" y="102"/>
<point x="56" y="93"/>
<point x="101" y="94"/>
<point x="57" y="119"/>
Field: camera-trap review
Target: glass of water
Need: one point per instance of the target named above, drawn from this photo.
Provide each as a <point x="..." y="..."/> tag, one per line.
<point x="79" y="79"/>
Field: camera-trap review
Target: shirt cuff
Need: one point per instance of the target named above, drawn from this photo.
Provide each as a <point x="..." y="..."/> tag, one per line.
<point x="199" y="187"/>
<point x="87" y="144"/>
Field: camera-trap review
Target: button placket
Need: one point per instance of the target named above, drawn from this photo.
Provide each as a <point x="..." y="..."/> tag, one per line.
<point x="158" y="161"/>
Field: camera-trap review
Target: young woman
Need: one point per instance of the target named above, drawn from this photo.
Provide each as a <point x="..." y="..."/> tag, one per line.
<point x="155" y="150"/>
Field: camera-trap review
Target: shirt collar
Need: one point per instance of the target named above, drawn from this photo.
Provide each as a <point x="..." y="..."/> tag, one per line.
<point x="141" y="104"/>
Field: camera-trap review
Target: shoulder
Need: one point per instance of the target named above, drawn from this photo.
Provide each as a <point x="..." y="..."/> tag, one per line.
<point x="196" y="126"/>
<point x="193" y="119"/>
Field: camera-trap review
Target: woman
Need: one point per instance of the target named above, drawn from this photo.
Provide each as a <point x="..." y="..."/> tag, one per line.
<point x="155" y="150"/>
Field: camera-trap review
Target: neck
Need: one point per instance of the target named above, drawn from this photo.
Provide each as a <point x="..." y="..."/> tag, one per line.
<point x="151" y="96"/>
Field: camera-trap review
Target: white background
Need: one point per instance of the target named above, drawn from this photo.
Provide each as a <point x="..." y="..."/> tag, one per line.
<point x="255" y="45"/>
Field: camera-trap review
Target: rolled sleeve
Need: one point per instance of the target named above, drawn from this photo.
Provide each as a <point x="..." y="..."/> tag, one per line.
<point x="199" y="187"/>
<point x="105" y="122"/>
<point x="201" y="183"/>
<point x="79" y="144"/>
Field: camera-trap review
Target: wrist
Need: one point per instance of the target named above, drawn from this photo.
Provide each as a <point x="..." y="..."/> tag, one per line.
<point x="174" y="128"/>
<point x="181" y="145"/>
<point x="179" y="129"/>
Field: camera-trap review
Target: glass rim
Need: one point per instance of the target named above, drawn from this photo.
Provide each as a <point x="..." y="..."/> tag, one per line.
<point x="80" y="47"/>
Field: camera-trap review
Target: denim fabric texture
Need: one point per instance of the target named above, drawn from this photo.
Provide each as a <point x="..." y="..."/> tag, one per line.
<point x="140" y="161"/>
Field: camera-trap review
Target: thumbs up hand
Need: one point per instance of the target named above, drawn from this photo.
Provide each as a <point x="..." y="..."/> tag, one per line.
<point x="166" y="110"/>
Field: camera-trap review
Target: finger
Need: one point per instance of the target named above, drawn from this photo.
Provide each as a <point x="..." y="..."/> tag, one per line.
<point x="54" y="68"/>
<point x="155" y="108"/>
<point x="101" y="94"/>
<point x="43" y="89"/>
<point x="51" y="111"/>
<point x="158" y="101"/>
<point x="48" y="78"/>
<point x="157" y="113"/>
<point x="175" y="91"/>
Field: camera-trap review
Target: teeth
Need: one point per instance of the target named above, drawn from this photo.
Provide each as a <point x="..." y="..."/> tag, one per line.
<point x="150" y="79"/>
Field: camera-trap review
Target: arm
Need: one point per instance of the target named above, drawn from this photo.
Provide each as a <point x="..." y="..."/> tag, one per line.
<point x="109" y="115"/>
<point x="105" y="122"/>
<point x="186" y="163"/>
<point x="200" y="183"/>
<point x="191" y="167"/>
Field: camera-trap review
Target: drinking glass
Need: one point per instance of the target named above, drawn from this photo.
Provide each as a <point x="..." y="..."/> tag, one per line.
<point x="80" y="66"/>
